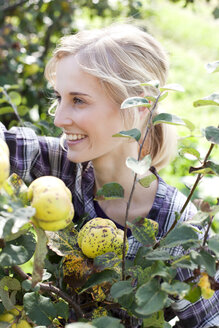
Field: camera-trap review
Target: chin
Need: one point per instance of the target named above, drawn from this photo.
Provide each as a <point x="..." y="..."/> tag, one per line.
<point x="76" y="159"/>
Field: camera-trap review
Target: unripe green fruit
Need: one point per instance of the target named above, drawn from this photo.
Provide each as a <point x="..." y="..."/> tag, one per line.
<point x="100" y="236"/>
<point x="53" y="203"/>
<point x="4" y="162"/>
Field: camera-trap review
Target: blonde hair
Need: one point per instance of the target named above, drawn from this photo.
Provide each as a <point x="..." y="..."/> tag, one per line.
<point x="122" y="56"/>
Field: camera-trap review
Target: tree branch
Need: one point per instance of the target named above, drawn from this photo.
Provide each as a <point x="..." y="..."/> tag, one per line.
<point x="49" y="288"/>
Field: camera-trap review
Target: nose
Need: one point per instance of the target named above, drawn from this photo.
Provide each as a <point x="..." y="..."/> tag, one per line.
<point x="62" y="117"/>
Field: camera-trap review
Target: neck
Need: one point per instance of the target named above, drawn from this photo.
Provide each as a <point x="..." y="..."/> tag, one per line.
<point x="112" y="168"/>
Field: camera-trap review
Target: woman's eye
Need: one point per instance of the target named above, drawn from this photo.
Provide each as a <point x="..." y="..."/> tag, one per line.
<point x="57" y="97"/>
<point x="78" y="101"/>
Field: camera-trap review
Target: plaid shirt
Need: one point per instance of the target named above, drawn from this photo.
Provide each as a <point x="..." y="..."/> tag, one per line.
<point x="33" y="156"/>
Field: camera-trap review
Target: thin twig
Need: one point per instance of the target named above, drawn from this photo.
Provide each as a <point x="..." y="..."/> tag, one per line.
<point x="12" y="105"/>
<point x="49" y="288"/>
<point x="207" y="230"/>
<point x="133" y="185"/>
<point x="197" y="180"/>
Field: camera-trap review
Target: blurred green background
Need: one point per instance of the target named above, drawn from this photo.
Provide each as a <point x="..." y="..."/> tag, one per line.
<point x="188" y="29"/>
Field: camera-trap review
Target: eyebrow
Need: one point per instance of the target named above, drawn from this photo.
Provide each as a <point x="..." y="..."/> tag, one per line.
<point x="76" y="93"/>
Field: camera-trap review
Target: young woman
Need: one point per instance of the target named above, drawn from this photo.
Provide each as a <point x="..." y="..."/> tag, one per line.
<point x="92" y="73"/>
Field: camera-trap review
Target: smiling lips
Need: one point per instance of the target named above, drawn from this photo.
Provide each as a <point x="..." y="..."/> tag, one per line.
<point x="73" y="137"/>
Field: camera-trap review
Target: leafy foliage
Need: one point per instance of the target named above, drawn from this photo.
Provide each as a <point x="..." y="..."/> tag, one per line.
<point x="65" y="287"/>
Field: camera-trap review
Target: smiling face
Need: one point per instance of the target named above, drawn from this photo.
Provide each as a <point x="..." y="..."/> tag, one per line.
<point x="85" y="113"/>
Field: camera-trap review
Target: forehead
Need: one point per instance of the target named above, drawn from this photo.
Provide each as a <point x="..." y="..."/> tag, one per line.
<point x="70" y="74"/>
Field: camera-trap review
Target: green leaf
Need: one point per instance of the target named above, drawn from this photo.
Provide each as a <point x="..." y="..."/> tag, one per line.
<point x="22" y="110"/>
<point x="144" y="230"/>
<point x="180" y="235"/>
<point x="27" y="286"/>
<point x="18" y="251"/>
<point x="200" y="218"/>
<point x="40" y="309"/>
<point x="212" y="67"/>
<point x="152" y="83"/>
<point x="213" y="99"/>
<point x="11" y="86"/>
<point x="184" y="262"/>
<point x="111" y="190"/>
<point x="155" y="320"/>
<point x="63" y="242"/>
<point x="139" y="167"/>
<point x="212" y="134"/>
<point x="189" y="124"/>
<point x="146" y="181"/>
<point x="213" y="244"/>
<point x="106" y="261"/>
<point x="15" y="221"/>
<point x="168" y="119"/>
<point x="159" y="268"/>
<point x="15" y="98"/>
<point x="150" y="298"/>
<point x="62" y="309"/>
<point x="163" y="96"/>
<point x="193" y="294"/>
<point x="158" y="254"/>
<point x="121" y="288"/>
<point x="107" y="322"/>
<point x="135" y="102"/>
<point x="15" y="185"/>
<point x="6" y="110"/>
<point x="100" y="277"/>
<point x="39" y="256"/>
<point x="190" y="151"/>
<point x="139" y="274"/>
<point x="133" y="134"/>
<point x="172" y="87"/>
<point x="206" y="260"/>
<point x="8" y="285"/>
<point x="178" y="288"/>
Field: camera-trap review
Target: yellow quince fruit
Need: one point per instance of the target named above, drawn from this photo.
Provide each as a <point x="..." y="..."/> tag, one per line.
<point x="21" y="324"/>
<point x="4" y="162"/>
<point x="99" y="236"/>
<point x="205" y="286"/>
<point x="6" y="317"/>
<point x="53" y="203"/>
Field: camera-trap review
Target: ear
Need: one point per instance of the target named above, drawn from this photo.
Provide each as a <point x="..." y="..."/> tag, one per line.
<point x="143" y="111"/>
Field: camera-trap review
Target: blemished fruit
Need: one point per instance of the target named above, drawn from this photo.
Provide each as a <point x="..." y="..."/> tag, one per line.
<point x="4" y="162"/>
<point x="100" y="236"/>
<point x="205" y="286"/>
<point x="53" y="203"/>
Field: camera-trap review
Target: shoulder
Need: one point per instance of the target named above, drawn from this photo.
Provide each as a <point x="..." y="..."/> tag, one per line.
<point x="169" y="201"/>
